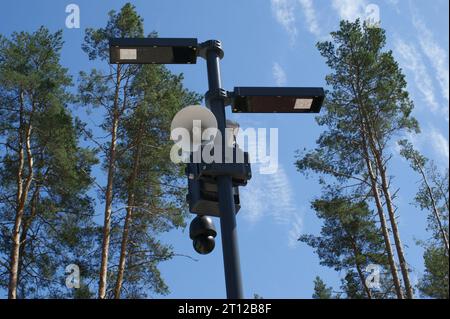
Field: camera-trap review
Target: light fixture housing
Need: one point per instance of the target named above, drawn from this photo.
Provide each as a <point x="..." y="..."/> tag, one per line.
<point x="277" y="99"/>
<point x="153" y="50"/>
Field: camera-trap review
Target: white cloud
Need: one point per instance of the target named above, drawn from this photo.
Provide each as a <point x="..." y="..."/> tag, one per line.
<point x="393" y="3"/>
<point x="295" y="231"/>
<point x="350" y="9"/>
<point x="252" y="200"/>
<point x="279" y="74"/>
<point x="431" y="142"/>
<point x="439" y="144"/>
<point x="272" y="197"/>
<point x="412" y="60"/>
<point x="282" y="196"/>
<point x="284" y="12"/>
<point x="435" y="53"/>
<point x="310" y="17"/>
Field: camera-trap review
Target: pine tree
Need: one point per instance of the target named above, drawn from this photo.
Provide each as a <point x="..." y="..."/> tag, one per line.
<point x="44" y="173"/>
<point x="352" y="287"/>
<point x="321" y="291"/>
<point x="349" y="239"/>
<point x="433" y="191"/>
<point x="110" y="91"/>
<point x="367" y="107"/>
<point x="148" y="184"/>
<point x="143" y="195"/>
<point x="435" y="281"/>
<point x="432" y="197"/>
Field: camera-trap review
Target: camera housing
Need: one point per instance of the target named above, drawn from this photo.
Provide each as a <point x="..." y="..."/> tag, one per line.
<point x="202" y="232"/>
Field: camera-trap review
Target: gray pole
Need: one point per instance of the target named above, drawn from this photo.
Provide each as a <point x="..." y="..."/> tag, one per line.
<point x="216" y="102"/>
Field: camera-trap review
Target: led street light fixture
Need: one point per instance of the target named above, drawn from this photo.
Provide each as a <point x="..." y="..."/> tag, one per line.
<point x="277" y="100"/>
<point x="153" y="50"/>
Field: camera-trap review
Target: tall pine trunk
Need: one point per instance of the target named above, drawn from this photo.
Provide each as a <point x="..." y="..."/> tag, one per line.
<point x="371" y="145"/>
<point x="385" y="231"/>
<point x="380" y="210"/>
<point x="127" y="223"/>
<point x="109" y="191"/>
<point x="22" y="196"/>
<point x="436" y="213"/>
<point x="390" y="208"/>
<point x="394" y="227"/>
<point x="26" y="224"/>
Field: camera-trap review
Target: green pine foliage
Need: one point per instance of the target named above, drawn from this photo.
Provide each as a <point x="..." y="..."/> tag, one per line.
<point x="367" y="107"/>
<point x="56" y="224"/>
<point x="432" y="197"/>
<point x="321" y="290"/>
<point x="349" y="241"/>
<point x="145" y="191"/>
<point x="48" y="195"/>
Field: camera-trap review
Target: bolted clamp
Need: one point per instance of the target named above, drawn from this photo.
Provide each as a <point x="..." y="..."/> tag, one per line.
<point x="204" y="47"/>
<point x="219" y="94"/>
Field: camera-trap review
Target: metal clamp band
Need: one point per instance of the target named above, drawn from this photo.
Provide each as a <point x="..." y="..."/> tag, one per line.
<point x="203" y="48"/>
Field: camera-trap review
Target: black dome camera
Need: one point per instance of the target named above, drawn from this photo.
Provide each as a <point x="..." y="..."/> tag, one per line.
<point x="202" y="232"/>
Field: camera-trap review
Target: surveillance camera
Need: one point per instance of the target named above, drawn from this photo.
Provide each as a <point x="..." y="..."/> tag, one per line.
<point x="204" y="244"/>
<point x="202" y="232"/>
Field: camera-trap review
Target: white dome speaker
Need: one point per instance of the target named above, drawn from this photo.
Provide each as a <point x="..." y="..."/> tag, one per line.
<point x="185" y="119"/>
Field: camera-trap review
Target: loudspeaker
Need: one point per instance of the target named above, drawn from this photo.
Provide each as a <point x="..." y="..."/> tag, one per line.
<point x="185" y="119"/>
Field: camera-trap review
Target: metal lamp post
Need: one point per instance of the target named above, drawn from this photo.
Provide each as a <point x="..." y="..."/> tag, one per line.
<point x="215" y="100"/>
<point x="227" y="177"/>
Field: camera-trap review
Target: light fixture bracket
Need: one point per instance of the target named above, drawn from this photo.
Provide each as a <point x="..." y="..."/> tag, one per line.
<point x="217" y="94"/>
<point x="204" y="47"/>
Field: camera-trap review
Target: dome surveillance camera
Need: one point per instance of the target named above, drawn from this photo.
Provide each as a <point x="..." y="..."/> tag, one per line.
<point x="204" y="244"/>
<point x="202" y="232"/>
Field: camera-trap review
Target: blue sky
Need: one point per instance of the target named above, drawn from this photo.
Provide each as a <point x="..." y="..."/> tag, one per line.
<point x="267" y="43"/>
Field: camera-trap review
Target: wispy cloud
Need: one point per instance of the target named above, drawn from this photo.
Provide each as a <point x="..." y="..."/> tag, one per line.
<point x="295" y="231"/>
<point x="412" y="61"/>
<point x="282" y="196"/>
<point x="430" y="142"/>
<point x="310" y="17"/>
<point x="279" y="74"/>
<point x="435" y="53"/>
<point x="272" y="197"/>
<point x="439" y="144"/>
<point x="392" y="2"/>
<point x="284" y="12"/>
<point x="350" y="9"/>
